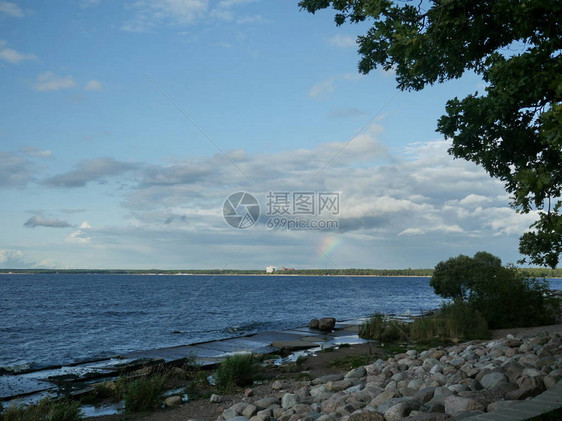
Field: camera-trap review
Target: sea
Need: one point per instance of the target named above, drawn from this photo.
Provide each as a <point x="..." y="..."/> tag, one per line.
<point x="59" y="319"/>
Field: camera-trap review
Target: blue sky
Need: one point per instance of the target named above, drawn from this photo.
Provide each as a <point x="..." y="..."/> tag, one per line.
<point x="115" y="116"/>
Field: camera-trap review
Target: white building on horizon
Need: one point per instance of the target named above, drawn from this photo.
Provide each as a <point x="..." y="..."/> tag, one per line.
<point x="270" y="269"/>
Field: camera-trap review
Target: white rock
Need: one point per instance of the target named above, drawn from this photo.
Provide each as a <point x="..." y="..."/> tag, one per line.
<point x="289" y="400"/>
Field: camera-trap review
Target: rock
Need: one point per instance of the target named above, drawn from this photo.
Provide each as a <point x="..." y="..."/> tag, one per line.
<point x="415" y="384"/>
<point x="526" y="391"/>
<point x="279" y="385"/>
<point x="455" y="405"/>
<point x="469" y="369"/>
<point x="327" y="378"/>
<point x="427" y="417"/>
<point x="493" y="379"/>
<point x="289" y="400"/>
<point x="249" y="392"/>
<point x="314" y="324"/>
<point x="549" y="381"/>
<point x="512" y="370"/>
<point x="400" y="410"/>
<point x="172" y="401"/>
<point x="531" y="372"/>
<point x="385" y="406"/>
<point x="486" y="396"/>
<point x="356" y="373"/>
<point x="468" y="414"/>
<point x="339" y="385"/>
<point x="250" y="410"/>
<point x="382" y="397"/>
<point x="239" y="418"/>
<point x="424" y="395"/>
<point x="368" y="416"/>
<point x="440" y="394"/>
<point x="429" y="363"/>
<point x="529" y="360"/>
<point x="315" y="391"/>
<point x="355" y="389"/>
<point x="331" y="405"/>
<point x="326" y="323"/>
<point x="499" y="405"/>
<point x="260" y="417"/>
<point x="325" y="418"/>
<point x="512" y="342"/>
<point x="215" y="398"/>
<point x="266" y="402"/>
<point x="456" y="388"/>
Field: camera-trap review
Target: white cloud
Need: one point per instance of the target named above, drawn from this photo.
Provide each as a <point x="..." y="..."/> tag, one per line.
<point x="97" y="169"/>
<point x="8" y="257"/>
<point x="346" y="112"/>
<point x="12" y="56"/>
<point x="343" y="41"/>
<point x="394" y="203"/>
<point x="78" y="237"/>
<point x="324" y="89"/>
<point x="49" y="81"/>
<point x="93" y="85"/>
<point x="15" y="170"/>
<point x="85" y="225"/>
<point x="11" y="9"/>
<point x="36" y="152"/>
<point x="231" y="3"/>
<point x="150" y="13"/>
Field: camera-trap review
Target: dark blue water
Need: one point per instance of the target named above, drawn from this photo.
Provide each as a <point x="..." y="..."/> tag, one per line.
<point x="59" y="319"/>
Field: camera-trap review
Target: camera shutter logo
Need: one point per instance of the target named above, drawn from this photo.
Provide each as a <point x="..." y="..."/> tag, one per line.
<point x="241" y="210"/>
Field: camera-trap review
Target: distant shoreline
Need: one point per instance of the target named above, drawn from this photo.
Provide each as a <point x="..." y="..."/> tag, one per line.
<point x="186" y="273"/>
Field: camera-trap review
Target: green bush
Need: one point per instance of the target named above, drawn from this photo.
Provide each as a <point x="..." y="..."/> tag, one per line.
<point x="455" y="321"/>
<point x="239" y="370"/>
<point x="46" y="409"/>
<point x="143" y="394"/>
<point x="381" y="328"/>
<point x="504" y="296"/>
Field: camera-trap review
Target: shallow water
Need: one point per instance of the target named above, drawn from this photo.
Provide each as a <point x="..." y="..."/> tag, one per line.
<point x="52" y="319"/>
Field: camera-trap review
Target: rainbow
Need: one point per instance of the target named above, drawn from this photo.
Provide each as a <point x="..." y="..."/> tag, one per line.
<point x="327" y="246"/>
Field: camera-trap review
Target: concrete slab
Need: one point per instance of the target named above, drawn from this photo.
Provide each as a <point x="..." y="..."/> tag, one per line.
<point x="19" y="385"/>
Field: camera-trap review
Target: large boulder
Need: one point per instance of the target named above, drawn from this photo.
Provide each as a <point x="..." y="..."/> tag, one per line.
<point x="493" y="379"/>
<point x="313" y="324"/>
<point x="456" y="405"/>
<point x="326" y="323"/>
<point x="400" y="410"/>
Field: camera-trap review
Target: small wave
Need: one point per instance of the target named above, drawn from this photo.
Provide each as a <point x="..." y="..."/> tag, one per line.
<point x="124" y="313"/>
<point x="17" y="368"/>
<point x="248" y="328"/>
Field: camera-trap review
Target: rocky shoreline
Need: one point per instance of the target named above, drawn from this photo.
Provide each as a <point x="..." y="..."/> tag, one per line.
<point x="437" y="384"/>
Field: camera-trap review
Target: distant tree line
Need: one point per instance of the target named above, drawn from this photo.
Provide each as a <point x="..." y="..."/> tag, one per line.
<point x="531" y="272"/>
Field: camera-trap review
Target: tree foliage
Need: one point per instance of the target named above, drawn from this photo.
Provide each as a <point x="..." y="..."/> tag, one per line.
<point x="513" y="129"/>
<point x="503" y="295"/>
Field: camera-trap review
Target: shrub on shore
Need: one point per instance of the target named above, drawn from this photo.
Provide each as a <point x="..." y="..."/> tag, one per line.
<point x="382" y="328"/>
<point x="144" y="394"/>
<point x="503" y="295"/>
<point x="239" y="370"/>
<point x="454" y="321"/>
<point x="46" y="409"/>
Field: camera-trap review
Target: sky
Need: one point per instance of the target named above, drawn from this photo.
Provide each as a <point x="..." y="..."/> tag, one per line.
<point x="126" y="125"/>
